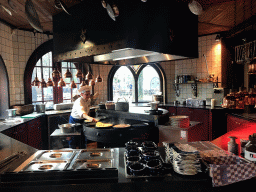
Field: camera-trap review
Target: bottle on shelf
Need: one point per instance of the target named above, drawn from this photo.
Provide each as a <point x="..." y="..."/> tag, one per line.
<point x="232" y="99"/>
<point x="239" y="97"/>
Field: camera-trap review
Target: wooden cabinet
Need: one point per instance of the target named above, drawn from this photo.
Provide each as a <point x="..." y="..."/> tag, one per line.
<point x="32" y="133"/>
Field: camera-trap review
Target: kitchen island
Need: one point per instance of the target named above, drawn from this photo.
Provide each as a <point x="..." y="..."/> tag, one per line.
<point x="171" y="182"/>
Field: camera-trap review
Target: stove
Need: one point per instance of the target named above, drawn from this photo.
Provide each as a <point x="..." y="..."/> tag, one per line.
<point x="67" y="166"/>
<point x="117" y="137"/>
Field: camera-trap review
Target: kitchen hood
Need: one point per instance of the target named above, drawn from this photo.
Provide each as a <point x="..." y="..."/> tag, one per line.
<point x="142" y="33"/>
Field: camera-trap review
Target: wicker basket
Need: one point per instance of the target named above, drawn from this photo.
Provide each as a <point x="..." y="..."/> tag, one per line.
<point x="24" y="109"/>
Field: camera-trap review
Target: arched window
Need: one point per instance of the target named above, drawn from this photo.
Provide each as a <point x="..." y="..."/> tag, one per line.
<point x="4" y="86"/>
<point x="123" y="84"/>
<point x="135" y="83"/>
<point x="40" y="64"/>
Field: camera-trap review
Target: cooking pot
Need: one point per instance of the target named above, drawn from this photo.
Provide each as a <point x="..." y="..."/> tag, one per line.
<point x="67" y="128"/>
<point x="40" y="108"/>
<point x="154" y="105"/>
<point x="122" y="106"/>
<point x="158" y="98"/>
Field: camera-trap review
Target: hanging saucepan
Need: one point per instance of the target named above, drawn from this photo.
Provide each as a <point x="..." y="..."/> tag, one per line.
<point x="32" y="16"/>
<point x="111" y="12"/>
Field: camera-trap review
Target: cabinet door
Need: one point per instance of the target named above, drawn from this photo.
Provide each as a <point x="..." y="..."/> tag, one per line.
<point x="172" y="110"/>
<point x="21" y="133"/>
<point x="202" y="115"/>
<point x="35" y="133"/>
<point x="185" y="111"/>
<point x="235" y="122"/>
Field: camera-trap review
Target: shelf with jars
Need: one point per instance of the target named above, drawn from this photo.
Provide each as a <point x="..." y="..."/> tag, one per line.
<point x="241" y="100"/>
<point x="186" y="79"/>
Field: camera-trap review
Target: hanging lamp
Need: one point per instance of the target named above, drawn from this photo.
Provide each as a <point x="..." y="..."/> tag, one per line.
<point x="73" y="85"/>
<point x="61" y="83"/>
<point x="36" y="81"/>
<point x="43" y="84"/>
<point x="92" y="82"/>
<point x="89" y="75"/>
<point x="79" y="74"/>
<point x="68" y="74"/>
<point x="98" y="78"/>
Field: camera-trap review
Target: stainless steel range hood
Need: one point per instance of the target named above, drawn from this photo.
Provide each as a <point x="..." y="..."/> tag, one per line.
<point x="142" y="33"/>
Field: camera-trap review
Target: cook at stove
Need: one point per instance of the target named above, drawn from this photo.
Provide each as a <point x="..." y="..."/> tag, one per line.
<point x="82" y="106"/>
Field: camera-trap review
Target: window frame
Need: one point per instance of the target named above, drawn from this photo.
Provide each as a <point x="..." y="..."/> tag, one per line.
<point x="156" y="66"/>
<point x="38" y="53"/>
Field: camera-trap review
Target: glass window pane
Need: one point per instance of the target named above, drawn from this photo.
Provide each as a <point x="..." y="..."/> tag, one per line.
<point x="36" y="94"/>
<point x="123" y="84"/>
<point x="148" y="84"/>
<point x="48" y="94"/>
<point x="66" y="93"/>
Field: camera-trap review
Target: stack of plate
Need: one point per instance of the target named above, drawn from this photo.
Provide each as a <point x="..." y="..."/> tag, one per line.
<point x="179" y="121"/>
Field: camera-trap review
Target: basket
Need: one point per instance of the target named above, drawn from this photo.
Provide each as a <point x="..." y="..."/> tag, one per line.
<point x="24" y="109"/>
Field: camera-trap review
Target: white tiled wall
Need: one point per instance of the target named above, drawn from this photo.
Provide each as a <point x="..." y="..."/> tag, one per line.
<point x="17" y="46"/>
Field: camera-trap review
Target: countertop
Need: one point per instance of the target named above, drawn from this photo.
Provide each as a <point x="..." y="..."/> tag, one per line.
<point x="172" y="182"/>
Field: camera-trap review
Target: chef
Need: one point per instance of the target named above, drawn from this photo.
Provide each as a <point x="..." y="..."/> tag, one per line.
<point x="82" y="106"/>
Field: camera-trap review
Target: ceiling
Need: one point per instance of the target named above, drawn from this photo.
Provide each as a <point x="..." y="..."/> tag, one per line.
<point x="217" y="16"/>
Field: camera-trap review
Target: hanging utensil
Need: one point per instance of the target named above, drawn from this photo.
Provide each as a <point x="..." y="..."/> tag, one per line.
<point x="32" y="16"/>
<point x="111" y="12"/>
<point x="195" y="7"/>
<point x="59" y="4"/>
<point x="7" y="10"/>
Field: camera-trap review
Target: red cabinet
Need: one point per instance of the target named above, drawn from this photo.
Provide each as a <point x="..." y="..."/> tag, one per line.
<point x="32" y="133"/>
<point x="235" y="122"/>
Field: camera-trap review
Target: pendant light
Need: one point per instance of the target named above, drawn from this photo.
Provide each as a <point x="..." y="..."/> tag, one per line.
<point x="92" y="82"/>
<point x="84" y="81"/>
<point x="73" y="85"/>
<point x="79" y="74"/>
<point x="61" y="83"/>
<point x="36" y="81"/>
<point x="49" y="82"/>
<point x="68" y="74"/>
<point x="98" y="79"/>
<point x="89" y="74"/>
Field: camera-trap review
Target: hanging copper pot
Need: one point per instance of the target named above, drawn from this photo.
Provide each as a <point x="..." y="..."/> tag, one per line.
<point x="61" y="83"/>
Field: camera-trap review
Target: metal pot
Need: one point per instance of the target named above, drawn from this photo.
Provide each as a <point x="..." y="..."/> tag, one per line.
<point x="158" y="98"/>
<point x="154" y="105"/>
<point x="40" y="108"/>
<point x="67" y="128"/>
<point x="122" y="106"/>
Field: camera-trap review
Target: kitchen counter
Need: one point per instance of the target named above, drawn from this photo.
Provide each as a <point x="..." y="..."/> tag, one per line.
<point x="178" y="105"/>
<point x="172" y="182"/>
<point x="246" y="116"/>
<point x="23" y="119"/>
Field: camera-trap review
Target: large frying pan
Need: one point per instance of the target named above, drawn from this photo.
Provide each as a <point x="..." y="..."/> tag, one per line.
<point x="32" y="16"/>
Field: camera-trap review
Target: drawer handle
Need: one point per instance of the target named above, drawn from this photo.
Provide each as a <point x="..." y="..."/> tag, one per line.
<point x="238" y="123"/>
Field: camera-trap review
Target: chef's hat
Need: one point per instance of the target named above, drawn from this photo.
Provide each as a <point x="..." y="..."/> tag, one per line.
<point x="84" y="89"/>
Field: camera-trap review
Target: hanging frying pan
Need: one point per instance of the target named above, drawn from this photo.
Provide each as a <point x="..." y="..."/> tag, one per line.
<point x="111" y="12"/>
<point x="195" y="7"/>
<point x="32" y="16"/>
